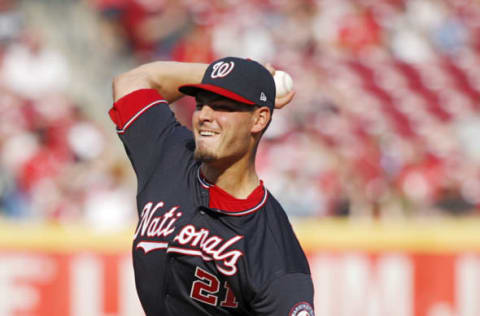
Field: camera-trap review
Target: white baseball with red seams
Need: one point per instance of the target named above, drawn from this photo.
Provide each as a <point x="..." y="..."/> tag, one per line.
<point x="283" y="83"/>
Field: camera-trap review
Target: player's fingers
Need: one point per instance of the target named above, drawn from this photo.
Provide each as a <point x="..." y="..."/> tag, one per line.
<point x="270" y="68"/>
<point x="280" y="102"/>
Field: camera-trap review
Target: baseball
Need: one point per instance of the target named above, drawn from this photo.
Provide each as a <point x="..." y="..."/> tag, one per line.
<point x="283" y="83"/>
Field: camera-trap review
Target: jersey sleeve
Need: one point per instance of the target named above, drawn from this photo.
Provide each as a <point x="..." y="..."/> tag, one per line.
<point x="151" y="135"/>
<point x="291" y="294"/>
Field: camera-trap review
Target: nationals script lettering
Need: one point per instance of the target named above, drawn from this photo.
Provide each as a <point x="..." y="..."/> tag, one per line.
<point x="191" y="241"/>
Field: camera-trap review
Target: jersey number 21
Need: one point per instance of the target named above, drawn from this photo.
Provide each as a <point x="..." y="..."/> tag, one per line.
<point x="205" y="289"/>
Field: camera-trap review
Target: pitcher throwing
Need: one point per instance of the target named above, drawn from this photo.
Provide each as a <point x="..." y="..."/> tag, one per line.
<point x="211" y="239"/>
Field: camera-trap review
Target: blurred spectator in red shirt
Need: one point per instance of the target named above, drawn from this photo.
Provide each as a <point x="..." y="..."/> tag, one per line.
<point x="359" y="31"/>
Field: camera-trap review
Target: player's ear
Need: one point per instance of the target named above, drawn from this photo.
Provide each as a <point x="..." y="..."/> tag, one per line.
<point x="260" y="119"/>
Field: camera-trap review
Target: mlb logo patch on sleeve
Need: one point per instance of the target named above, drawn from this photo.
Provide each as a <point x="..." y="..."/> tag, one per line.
<point x="302" y="309"/>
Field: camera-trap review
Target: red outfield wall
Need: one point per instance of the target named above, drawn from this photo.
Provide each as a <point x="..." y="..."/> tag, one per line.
<point x="362" y="269"/>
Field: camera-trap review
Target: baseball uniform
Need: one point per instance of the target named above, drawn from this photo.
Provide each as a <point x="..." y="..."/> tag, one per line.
<point x="197" y="250"/>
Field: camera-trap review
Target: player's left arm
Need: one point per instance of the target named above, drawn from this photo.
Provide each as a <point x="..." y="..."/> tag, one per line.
<point x="291" y="294"/>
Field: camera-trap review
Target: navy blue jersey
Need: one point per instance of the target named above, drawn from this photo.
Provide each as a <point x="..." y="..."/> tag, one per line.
<point x="190" y="258"/>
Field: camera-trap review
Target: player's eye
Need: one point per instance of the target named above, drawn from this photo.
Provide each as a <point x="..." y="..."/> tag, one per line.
<point x="222" y="108"/>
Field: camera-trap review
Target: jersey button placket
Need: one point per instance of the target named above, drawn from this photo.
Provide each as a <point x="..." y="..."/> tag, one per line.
<point x="205" y="196"/>
<point x="201" y="210"/>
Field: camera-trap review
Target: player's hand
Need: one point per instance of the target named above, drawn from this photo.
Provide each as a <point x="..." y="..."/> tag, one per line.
<point x="280" y="102"/>
<point x="286" y="99"/>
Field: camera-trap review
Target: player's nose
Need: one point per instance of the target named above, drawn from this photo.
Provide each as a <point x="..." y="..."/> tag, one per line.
<point x="205" y="113"/>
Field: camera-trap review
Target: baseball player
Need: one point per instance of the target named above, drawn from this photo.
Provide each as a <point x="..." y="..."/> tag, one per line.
<point x="211" y="239"/>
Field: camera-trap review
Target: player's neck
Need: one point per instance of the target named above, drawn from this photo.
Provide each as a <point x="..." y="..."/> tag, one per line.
<point x="238" y="179"/>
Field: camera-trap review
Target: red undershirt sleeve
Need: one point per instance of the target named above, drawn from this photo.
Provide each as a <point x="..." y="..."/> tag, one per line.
<point x="130" y="107"/>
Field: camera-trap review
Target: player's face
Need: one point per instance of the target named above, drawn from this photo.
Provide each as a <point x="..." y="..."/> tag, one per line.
<point x="222" y="128"/>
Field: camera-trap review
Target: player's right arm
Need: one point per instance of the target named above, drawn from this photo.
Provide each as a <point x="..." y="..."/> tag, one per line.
<point x="147" y="127"/>
<point x="163" y="76"/>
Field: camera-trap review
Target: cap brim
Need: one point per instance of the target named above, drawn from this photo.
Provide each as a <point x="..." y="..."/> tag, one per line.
<point x="193" y="89"/>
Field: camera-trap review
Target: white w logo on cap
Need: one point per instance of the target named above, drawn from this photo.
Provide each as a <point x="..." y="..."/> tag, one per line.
<point x="221" y="69"/>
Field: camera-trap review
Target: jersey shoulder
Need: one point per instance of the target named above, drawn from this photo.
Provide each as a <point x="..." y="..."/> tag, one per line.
<point x="285" y="240"/>
<point x="273" y="256"/>
<point x="271" y="241"/>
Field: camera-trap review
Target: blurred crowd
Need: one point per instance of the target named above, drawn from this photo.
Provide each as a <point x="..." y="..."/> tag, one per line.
<point x="56" y="164"/>
<point x="384" y="124"/>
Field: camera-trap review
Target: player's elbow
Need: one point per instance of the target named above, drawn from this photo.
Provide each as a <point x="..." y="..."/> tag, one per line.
<point x="128" y="82"/>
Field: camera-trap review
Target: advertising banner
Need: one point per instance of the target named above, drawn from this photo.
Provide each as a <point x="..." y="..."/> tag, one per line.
<point x="361" y="270"/>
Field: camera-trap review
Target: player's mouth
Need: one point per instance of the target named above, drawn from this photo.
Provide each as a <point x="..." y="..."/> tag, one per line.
<point x="207" y="133"/>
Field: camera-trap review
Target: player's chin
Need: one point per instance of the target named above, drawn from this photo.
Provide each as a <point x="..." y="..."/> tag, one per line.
<point x="204" y="156"/>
